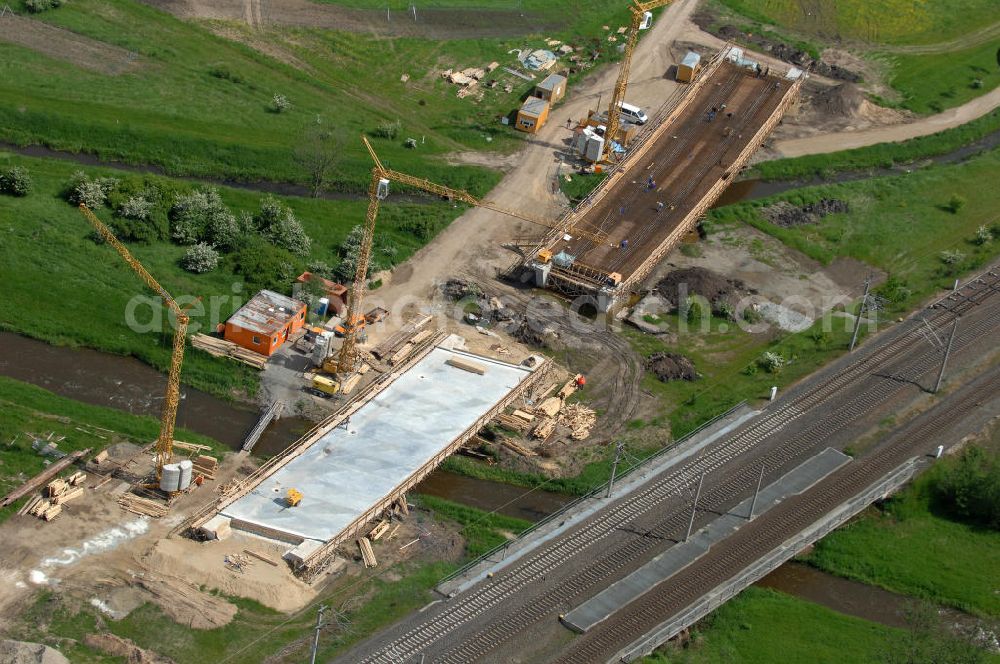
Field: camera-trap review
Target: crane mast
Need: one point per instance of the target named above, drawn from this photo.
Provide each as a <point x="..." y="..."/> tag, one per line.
<point x="168" y="418"/>
<point x="638" y="10"/>
<point x="378" y="189"/>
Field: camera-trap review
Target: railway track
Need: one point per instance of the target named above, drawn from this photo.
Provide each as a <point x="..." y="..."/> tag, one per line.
<point x="847" y="392"/>
<point x="774" y="527"/>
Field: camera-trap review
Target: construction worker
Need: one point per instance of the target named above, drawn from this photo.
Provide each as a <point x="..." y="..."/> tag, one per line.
<point x="623" y="245"/>
<point x="659" y="206"/>
<point x="650" y="183"/>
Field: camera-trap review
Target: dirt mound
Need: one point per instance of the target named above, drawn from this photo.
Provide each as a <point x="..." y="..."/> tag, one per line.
<point x="24" y="652"/>
<point x="786" y="215"/>
<point x="844" y="100"/>
<point x="782" y="51"/>
<point x="671" y="366"/>
<point x="116" y="646"/>
<point x="459" y="289"/>
<point x="681" y="284"/>
<point x="529" y="336"/>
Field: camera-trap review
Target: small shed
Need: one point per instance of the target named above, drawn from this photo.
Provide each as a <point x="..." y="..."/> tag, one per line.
<point x="688" y="68"/>
<point x="332" y="291"/>
<point x="532" y="115"/>
<point x="265" y="322"/>
<point x="552" y="89"/>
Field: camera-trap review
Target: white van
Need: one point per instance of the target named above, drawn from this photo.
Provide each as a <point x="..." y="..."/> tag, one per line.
<point x="633" y="114"/>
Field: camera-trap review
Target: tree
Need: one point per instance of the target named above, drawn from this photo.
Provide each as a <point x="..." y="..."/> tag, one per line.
<point x="969" y="487"/>
<point x="15" y="181"/>
<point x="194" y="213"/>
<point x="277" y="224"/>
<point x="200" y="258"/>
<point x="926" y="641"/>
<point x="319" y="154"/>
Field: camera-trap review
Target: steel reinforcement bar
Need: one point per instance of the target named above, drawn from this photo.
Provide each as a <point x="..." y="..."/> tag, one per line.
<point x="665" y="117"/>
<point x="691" y="219"/>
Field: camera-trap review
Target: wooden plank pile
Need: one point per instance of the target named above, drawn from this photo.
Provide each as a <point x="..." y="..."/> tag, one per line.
<point x="466" y="365"/>
<point x="238" y="562"/>
<point x="133" y="503"/>
<point x="518" y="421"/>
<point x="579" y="419"/>
<point x="516" y="447"/>
<point x="546" y="426"/>
<point x="42" y="477"/>
<point x="205" y="466"/>
<point x="367" y="552"/>
<point x="222" y="348"/>
<point x="400" y="345"/>
<point x="376" y="533"/>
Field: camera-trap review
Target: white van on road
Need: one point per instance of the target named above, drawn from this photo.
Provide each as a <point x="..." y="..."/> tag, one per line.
<point x="633" y="114"/>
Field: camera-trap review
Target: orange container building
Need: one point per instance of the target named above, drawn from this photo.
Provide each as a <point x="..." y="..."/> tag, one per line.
<point x="265" y="322"/>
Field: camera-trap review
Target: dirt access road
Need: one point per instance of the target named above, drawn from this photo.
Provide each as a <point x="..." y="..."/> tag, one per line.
<point x="834" y="142"/>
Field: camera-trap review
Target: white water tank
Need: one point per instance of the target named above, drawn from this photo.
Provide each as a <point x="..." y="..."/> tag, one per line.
<point x="170" y="478"/>
<point x="595" y="149"/>
<point x="187" y="472"/>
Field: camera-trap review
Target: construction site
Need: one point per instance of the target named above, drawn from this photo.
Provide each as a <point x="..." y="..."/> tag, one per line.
<point x="689" y="153"/>
<point x="524" y="349"/>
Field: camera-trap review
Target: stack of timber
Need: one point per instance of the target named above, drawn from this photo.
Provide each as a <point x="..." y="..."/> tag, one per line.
<point x="260" y="556"/>
<point x="546" y="426"/>
<point x="222" y="348"/>
<point x="579" y="419"/>
<point x="379" y="530"/>
<point x="518" y="421"/>
<point x="570" y="387"/>
<point x="191" y="447"/>
<point x="466" y="365"/>
<point x="400" y="345"/>
<point x="42" y="477"/>
<point x="516" y="447"/>
<point x="367" y="552"/>
<point x="206" y="466"/>
<point x="133" y="503"/>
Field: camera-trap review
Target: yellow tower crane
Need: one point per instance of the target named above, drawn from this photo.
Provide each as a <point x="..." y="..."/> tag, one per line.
<point x="165" y="442"/>
<point x="641" y="20"/>
<point x="378" y="189"/>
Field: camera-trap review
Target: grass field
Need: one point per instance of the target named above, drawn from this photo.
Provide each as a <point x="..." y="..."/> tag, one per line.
<point x="759" y="624"/>
<point x="908" y="549"/>
<point x="930" y="83"/>
<point x="61" y="287"/>
<point x="883" y="22"/>
<point x="28" y="409"/>
<point x="198" y="103"/>
<point x="882" y="155"/>
<point x="937" y="54"/>
<point x="899" y="224"/>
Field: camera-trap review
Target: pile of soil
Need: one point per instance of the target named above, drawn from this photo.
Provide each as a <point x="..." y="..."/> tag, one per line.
<point x="844" y="100"/>
<point x="529" y="336"/>
<point x="686" y="282"/>
<point x="24" y="652"/>
<point x="785" y="52"/>
<point x="786" y="215"/>
<point x="671" y="366"/>
<point x="116" y="646"/>
<point x="457" y="289"/>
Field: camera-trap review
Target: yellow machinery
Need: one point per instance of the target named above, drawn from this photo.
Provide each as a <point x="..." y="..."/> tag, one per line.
<point x="378" y="189"/>
<point x="640" y="21"/>
<point x="293" y="497"/>
<point x="324" y="387"/>
<point x="165" y="443"/>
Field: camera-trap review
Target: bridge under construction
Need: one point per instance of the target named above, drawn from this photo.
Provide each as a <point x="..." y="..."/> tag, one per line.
<point x="692" y="151"/>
